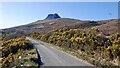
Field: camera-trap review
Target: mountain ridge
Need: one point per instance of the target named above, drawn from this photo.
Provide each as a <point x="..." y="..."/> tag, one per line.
<point x="45" y="26"/>
<point x="52" y="16"/>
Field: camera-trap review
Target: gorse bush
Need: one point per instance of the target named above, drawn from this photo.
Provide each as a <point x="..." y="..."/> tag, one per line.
<point x="92" y="42"/>
<point x="11" y="49"/>
<point x="13" y="45"/>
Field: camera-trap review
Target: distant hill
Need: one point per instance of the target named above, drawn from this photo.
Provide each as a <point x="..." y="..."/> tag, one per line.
<point x="43" y="26"/>
<point x="53" y="22"/>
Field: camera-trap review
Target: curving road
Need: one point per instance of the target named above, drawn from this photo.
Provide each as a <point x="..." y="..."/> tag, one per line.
<point x="50" y="56"/>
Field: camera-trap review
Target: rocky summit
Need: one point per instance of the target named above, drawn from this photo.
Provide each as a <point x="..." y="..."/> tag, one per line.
<point x="52" y="16"/>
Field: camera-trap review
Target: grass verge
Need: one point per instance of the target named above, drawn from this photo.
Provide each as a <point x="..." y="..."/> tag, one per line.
<point x="82" y="55"/>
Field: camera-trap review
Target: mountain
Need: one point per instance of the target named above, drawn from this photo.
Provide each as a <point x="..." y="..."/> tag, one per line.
<point x="52" y="16"/>
<point x="54" y="21"/>
<point x="43" y="26"/>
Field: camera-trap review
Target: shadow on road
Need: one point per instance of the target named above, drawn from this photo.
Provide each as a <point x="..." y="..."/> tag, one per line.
<point x="40" y="63"/>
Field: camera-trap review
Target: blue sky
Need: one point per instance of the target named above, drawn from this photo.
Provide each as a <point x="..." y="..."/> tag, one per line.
<point x="19" y="13"/>
<point x="59" y="0"/>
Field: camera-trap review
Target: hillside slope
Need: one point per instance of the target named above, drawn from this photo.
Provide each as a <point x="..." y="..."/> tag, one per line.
<point x="108" y="26"/>
<point x="45" y="26"/>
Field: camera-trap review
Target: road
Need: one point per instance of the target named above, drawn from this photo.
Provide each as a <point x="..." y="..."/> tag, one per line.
<point x="50" y="56"/>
